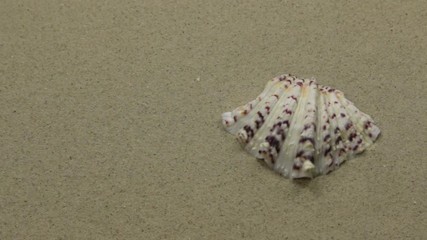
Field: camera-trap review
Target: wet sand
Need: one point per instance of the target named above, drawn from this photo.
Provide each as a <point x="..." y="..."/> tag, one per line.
<point x="110" y="119"/>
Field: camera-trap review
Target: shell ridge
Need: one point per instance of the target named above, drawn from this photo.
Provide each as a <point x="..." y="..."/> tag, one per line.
<point x="365" y="124"/>
<point x="230" y="119"/>
<point x="282" y="164"/>
<point x="340" y="152"/>
<point x="257" y="122"/>
<point x="359" y="140"/>
<point x="303" y="160"/>
<point x="323" y="137"/>
<point x="267" y="137"/>
<point x="292" y="138"/>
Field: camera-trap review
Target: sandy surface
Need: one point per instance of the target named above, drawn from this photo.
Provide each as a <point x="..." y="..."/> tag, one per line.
<point x="106" y="132"/>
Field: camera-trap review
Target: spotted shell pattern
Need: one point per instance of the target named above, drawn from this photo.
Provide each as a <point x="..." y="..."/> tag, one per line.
<point x="300" y="128"/>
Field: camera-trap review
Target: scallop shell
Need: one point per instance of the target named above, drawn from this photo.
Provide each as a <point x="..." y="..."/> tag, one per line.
<point x="300" y="128"/>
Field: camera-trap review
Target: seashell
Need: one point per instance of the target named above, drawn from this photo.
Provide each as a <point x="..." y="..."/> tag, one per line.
<point x="300" y="128"/>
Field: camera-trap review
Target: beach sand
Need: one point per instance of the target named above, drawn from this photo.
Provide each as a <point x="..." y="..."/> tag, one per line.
<point x="110" y="118"/>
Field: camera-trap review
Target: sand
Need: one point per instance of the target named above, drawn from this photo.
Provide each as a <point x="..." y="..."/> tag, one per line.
<point x="110" y="118"/>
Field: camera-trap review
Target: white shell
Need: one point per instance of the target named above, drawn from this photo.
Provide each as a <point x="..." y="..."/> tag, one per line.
<point x="301" y="129"/>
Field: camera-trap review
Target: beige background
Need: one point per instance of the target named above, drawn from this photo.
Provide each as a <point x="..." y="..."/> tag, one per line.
<point x="105" y="132"/>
